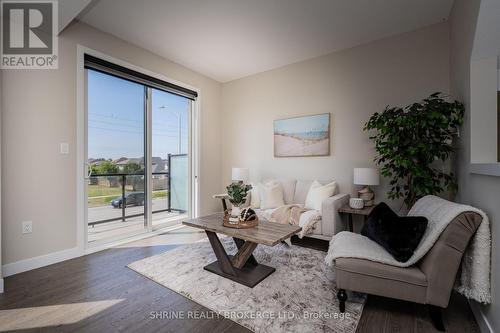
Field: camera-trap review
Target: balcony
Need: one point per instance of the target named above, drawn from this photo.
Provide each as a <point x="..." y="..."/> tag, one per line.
<point x="116" y="205"/>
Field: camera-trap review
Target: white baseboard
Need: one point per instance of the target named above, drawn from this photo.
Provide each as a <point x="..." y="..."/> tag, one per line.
<point x="40" y="261"/>
<point x="482" y="321"/>
<point x="55" y="257"/>
<point x="1" y="285"/>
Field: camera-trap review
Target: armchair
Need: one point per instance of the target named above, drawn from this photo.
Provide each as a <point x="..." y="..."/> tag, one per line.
<point x="430" y="281"/>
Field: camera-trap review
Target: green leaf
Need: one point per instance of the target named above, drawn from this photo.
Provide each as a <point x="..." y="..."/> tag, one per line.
<point x="409" y="140"/>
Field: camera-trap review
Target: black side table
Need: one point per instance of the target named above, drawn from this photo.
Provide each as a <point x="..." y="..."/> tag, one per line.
<point x="350" y="212"/>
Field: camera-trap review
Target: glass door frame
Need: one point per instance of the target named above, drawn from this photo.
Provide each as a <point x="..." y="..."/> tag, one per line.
<point x="82" y="154"/>
<point x="192" y="166"/>
<point x="147" y="170"/>
<point x="148" y="150"/>
<point x="192" y="187"/>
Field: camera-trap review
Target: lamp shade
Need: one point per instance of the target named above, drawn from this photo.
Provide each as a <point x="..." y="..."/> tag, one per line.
<point x="240" y="174"/>
<point x="366" y="176"/>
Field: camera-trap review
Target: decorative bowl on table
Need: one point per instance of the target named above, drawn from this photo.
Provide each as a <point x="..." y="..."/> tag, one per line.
<point x="247" y="219"/>
<point x="356" y="203"/>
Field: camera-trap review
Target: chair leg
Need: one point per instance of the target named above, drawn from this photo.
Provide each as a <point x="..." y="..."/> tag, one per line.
<point x="342" y="297"/>
<point x="436" y="317"/>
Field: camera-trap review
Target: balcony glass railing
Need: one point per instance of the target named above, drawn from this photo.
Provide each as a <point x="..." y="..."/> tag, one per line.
<point x="114" y="197"/>
<point x="121" y="196"/>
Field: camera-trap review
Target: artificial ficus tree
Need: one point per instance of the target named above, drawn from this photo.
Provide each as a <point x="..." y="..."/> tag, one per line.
<point x="411" y="141"/>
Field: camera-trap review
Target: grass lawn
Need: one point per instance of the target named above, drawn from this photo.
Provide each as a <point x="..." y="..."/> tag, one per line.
<point x="98" y="191"/>
<point x="160" y="194"/>
<point x="100" y="201"/>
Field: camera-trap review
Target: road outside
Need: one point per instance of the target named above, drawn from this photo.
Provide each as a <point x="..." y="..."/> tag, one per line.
<point x="108" y="212"/>
<point x="99" y="195"/>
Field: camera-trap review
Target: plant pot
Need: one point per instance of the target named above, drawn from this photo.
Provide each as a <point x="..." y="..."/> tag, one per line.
<point x="235" y="214"/>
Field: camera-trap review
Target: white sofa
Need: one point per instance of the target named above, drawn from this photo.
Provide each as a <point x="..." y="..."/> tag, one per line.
<point x="295" y="192"/>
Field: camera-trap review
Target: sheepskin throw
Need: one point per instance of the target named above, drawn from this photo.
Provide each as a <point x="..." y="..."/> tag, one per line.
<point x="475" y="276"/>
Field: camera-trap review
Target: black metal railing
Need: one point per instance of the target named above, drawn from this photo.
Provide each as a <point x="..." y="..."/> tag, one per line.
<point x="94" y="179"/>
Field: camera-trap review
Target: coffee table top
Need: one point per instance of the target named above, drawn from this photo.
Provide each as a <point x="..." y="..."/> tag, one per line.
<point x="266" y="233"/>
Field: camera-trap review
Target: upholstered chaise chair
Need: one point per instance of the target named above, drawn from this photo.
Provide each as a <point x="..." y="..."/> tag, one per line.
<point x="429" y="282"/>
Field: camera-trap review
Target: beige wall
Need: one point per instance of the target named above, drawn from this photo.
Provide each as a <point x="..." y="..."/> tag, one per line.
<point x="351" y="85"/>
<point x="39" y="112"/>
<point x="483" y="100"/>
<point x="477" y="190"/>
<point x="1" y="108"/>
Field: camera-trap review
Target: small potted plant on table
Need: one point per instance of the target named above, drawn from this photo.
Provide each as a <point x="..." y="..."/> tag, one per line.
<point x="237" y="193"/>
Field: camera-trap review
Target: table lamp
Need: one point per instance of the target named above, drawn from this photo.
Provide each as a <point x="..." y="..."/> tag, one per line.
<point x="367" y="177"/>
<point x="240" y="175"/>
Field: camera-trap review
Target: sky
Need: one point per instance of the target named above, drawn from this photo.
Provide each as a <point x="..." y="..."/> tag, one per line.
<point x="316" y="123"/>
<point x="116" y="119"/>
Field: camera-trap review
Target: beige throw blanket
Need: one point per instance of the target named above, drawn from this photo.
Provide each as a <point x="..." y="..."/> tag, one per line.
<point x="296" y="215"/>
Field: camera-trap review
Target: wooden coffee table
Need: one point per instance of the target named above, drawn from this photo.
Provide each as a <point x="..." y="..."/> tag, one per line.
<point x="242" y="267"/>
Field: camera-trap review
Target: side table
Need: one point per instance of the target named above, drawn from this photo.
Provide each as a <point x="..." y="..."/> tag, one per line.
<point x="346" y="209"/>
<point x="223" y="197"/>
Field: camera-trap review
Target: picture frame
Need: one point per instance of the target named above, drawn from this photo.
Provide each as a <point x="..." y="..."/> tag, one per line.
<point x="302" y="136"/>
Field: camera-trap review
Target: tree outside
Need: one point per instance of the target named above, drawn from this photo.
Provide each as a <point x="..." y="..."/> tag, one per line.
<point x="107" y="168"/>
<point x="133" y="168"/>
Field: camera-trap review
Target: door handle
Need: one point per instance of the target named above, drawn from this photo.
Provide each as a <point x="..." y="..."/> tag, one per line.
<point x="88" y="171"/>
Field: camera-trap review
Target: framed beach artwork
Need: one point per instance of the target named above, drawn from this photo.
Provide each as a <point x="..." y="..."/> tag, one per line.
<point x="302" y="136"/>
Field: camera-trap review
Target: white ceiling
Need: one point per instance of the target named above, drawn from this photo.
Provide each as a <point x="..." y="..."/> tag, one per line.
<point x="68" y="10"/>
<point x="230" y="39"/>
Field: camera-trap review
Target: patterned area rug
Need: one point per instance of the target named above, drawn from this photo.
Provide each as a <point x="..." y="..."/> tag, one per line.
<point x="299" y="297"/>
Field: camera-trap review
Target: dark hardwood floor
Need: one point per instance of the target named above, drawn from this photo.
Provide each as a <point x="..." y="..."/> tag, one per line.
<point x="98" y="293"/>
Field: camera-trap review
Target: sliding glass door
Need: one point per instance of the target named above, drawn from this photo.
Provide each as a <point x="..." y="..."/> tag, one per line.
<point x="116" y="136"/>
<point x="138" y="143"/>
<point x="170" y="152"/>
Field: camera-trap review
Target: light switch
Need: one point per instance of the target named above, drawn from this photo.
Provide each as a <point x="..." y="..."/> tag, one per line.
<point x="64" y="148"/>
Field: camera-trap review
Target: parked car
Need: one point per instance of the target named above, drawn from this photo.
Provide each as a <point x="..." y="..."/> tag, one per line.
<point x="131" y="199"/>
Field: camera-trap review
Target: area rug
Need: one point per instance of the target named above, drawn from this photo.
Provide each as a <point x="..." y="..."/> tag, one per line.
<point x="299" y="297"/>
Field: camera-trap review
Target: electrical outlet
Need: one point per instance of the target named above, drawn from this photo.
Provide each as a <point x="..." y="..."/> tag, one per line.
<point x="27" y="227"/>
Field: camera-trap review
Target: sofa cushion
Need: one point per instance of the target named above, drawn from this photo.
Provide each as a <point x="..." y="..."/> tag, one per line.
<point x="288" y="189"/>
<point x="412" y="274"/>
<point x="317" y="193"/>
<point x="301" y="190"/>
<point x="379" y="279"/>
<point x="255" y="196"/>
<point x="399" y="236"/>
<point x="264" y="214"/>
<point x="288" y="186"/>
<point x="271" y="195"/>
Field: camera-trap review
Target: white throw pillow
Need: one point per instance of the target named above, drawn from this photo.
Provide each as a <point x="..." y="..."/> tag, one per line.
<point x="288" y="190"/>
<point x="255" y="196"/>
<point x="317" y="193"/>
<point x="271" y="195"/>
